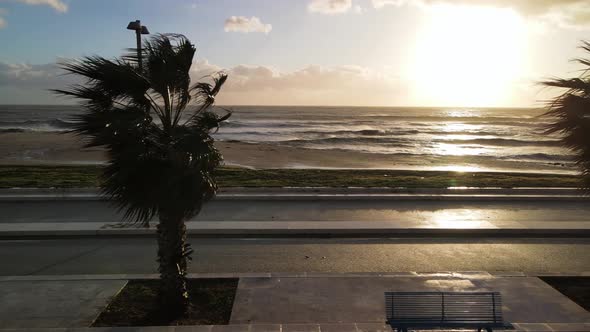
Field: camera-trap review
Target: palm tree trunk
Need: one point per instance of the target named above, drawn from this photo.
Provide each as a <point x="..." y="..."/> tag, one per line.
<point x="173" y="264"/>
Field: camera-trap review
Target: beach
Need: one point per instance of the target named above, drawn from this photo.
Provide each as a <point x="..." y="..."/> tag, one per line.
<point x="398" y="138"/>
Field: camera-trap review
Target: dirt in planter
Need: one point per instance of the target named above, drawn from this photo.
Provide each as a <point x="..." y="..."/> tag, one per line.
<point x="576" y="288"/>
<point x="137" y="304"/>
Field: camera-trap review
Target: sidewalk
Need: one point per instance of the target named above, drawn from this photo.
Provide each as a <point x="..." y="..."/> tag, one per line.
<point x="288" y="302"/>
<point x="394" y="228"/>
<point x="303" y="193"/>
<point x="442" y="226"/>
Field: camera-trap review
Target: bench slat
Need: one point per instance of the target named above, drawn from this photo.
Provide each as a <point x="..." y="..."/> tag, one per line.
<point x="444" y="309"/>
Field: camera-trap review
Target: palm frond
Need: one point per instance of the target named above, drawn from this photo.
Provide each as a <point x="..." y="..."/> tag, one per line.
<point x="151" y="165"/>
<point x="114" y="79"/>
<point x="570" y="116"/>
<point x="204" y="93"/>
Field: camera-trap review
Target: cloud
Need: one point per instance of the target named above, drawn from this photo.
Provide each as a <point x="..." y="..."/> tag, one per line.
<point x="31" y="76"/>
<point x="22" y="83"/>
<point x="245" y="25"/>
<point x="382" y="3"/>
<point x="330" y="7"/>
<point x="2" y="20"/>
<point x="58" y="5"/>
<point x="252" y="85"/>
<point x="263" y="85"/>
<point x="310" y="85"/>
<point x="563" y="12"/>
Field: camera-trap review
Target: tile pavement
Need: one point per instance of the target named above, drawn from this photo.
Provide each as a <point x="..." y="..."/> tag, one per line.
<point x="360" y="299"/>
<point x="341" y="302"/>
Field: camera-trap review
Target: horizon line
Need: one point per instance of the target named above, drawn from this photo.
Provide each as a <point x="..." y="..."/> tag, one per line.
<point x="327" y="106"/>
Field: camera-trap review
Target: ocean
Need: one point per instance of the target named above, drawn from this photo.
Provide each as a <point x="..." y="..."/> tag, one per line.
<point x="439" y="136"/>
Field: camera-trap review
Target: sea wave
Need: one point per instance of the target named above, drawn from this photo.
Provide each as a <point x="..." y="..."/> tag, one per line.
<point x="540" y="157"/>
<point x="54" y="125"/>
<point x="354" y="140"/>
<point x="503" y="142"/>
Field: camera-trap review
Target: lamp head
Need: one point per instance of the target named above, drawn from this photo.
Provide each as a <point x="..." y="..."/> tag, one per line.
<point x="134" y="25"/>
<point x="144" y="30"/>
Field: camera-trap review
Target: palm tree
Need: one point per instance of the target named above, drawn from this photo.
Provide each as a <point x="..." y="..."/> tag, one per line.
<point x="156" y="130"/>
<point x="570" y="113"/>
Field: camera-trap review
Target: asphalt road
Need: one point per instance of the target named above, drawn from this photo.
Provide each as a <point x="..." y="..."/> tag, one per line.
<point x="137" y="255"/>
<point x="309" y="210"/>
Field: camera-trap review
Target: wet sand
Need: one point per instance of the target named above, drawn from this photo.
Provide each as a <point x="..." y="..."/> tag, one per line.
<point x="54" y="148"/>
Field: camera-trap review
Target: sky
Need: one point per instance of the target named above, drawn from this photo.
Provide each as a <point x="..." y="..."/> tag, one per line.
<point x="452" y="53"/>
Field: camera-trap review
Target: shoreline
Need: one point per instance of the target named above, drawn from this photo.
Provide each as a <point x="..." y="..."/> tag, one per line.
<point x="66" y="149"/>
<point x="53" y="176"/>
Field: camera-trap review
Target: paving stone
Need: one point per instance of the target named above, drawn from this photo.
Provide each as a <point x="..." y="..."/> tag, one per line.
<point x="301" y="328"/>
<point x="570" y="327"/>
<point x="398" y="274"/>
<point x="327" y="275"/>
<point x="507" y="274"/>
<point x="548" y="274"/>
<point x="198" y="328"/>
<point x="213" y="275"/>
<point x="372" y="327"/>
<point x="288" y="275"/>
<point x="361" y="299"/>
<point x="265" y="328"/>
<point x="338" y="328"/>
<point x="471" y="274"/>
<point x="40" y="330"/>
<point x="532" y="327"/>
<point x="231" y="328"/>
<point x="156" y="329"/>
<point x="54" y="304"/>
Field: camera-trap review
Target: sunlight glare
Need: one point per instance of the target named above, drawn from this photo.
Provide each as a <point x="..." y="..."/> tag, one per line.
<point x="458" y="218"/>
<point x="468" y="56"/>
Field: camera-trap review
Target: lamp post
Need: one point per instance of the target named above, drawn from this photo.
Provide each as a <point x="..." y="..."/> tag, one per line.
<point x="139" y="30"/>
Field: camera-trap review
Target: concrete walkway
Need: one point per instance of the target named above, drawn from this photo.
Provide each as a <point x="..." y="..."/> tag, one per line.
<point x="54" y="303"/>
<point x="395" y="228"/>
<point x="334" y="212"/>
<point x="356" y="327"/>
<point x="288" y="302"/>
<point x="323" y="193"/>
<point x="360" y="299"/>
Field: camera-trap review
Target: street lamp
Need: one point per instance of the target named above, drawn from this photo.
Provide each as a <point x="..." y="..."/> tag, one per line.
<point x="139" y="30"/>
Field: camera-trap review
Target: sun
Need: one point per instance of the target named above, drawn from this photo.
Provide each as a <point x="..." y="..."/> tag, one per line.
<point x="468" y="56"/>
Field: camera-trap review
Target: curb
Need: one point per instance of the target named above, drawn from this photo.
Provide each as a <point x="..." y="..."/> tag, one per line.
<point x="326" y="194"/>
<point x="310" y="327"/>
<point x="410" y="274"/>
<point x="307" y="233"/>
<point x="333" y="197"/>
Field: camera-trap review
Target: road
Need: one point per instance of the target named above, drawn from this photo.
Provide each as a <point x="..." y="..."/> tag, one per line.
<point x="137" y="255"/>
<point x="310" y="210"/>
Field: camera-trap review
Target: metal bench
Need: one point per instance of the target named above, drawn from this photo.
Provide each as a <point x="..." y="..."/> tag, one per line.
<point x="432" y="310"/>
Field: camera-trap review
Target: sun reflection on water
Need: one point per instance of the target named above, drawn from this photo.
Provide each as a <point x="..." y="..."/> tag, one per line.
<point x="458" y="168"/>
<point x="447" y="149"/>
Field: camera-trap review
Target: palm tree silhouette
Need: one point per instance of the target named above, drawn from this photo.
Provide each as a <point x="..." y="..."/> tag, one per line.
<point x="158" y="165"/>
<point x="570" y="113"/>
